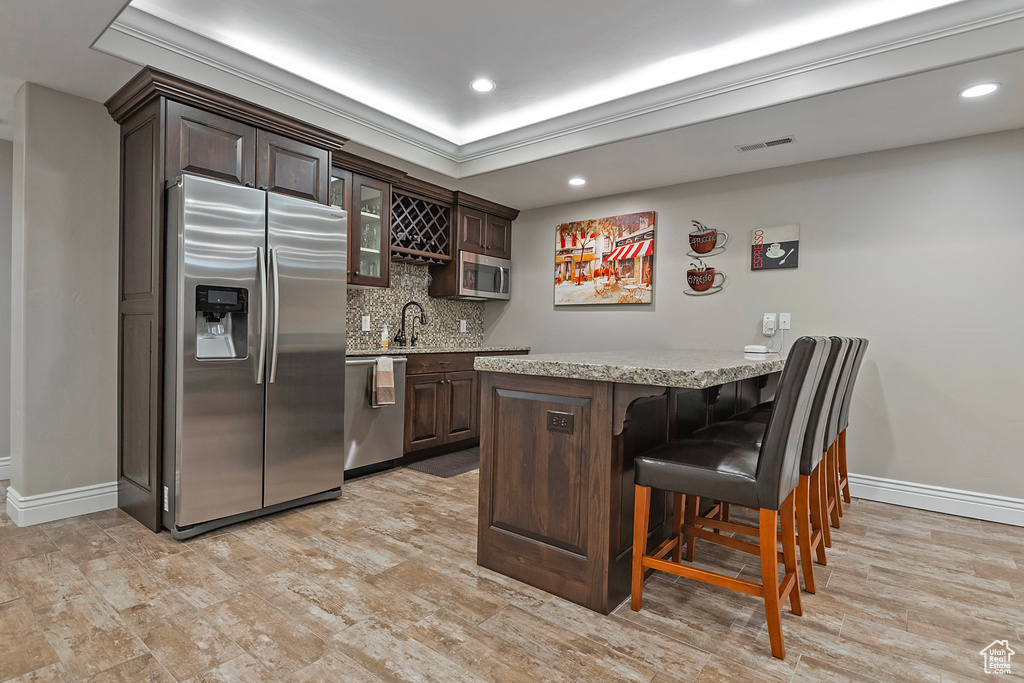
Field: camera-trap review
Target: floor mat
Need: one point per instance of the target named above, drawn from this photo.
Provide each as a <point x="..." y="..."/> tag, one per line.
<point x="449" y="465"/>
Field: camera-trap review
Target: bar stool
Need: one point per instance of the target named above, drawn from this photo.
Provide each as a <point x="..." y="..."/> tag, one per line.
<point x="809" y="511"/>
<point x="842" y="474"/>
<point x="833" y="500"/>
<point x="762" y="478"/>
<point x="829" y="480"/>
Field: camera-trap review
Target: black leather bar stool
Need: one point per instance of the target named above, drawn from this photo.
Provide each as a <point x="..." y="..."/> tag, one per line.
<point x="843" y="482"/>
<point x="762" y="478"/>
<point x="828" y="479"/>
<point x="810" y="516"/>
<point x="833" y="502"/>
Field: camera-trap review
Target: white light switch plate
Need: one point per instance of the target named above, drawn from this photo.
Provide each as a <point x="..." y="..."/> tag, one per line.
<point x="366" y="323"/>
<point x="783" y="321"/>
<point x="462" y="326"/>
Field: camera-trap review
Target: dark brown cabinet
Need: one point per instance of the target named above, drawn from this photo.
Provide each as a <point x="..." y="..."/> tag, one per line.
<point x="287" y="166"/>
<point x="498" y="241"/>
<point x="368" y="202"/>
<point x="483" y="233"/>
<point x="442" y="399"/>
<point x="209" y="145"/>
<point x="472" y="224"/>
<point x="441" y="408"/>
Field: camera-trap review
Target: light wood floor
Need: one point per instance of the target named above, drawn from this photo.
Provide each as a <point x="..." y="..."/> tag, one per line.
<point x="382" y="585"/>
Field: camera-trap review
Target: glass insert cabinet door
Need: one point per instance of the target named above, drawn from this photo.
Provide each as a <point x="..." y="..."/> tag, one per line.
<point x="368" y="202"/>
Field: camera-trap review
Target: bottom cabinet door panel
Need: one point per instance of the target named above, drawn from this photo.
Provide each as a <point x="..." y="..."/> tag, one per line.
<point x="424" y="411"/>
<point x="462" y="389"/>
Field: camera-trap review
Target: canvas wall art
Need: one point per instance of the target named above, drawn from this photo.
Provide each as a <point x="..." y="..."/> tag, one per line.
<point x="605" y="260"/>
<point x="774" y="248"/>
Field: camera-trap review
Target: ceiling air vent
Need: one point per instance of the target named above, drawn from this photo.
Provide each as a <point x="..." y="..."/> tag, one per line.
<point x="789" y="139"/>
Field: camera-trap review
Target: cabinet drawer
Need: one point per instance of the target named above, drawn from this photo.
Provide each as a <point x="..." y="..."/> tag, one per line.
<point x="439" y="362"/>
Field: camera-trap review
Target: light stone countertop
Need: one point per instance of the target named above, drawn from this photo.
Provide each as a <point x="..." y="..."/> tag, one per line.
<point x="406" y="350"/>
<point x="682" y="369"/>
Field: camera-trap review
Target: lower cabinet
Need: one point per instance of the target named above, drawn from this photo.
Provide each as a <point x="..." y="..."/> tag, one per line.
<point x="441" y="408"/>
<point x="442" y="398"/>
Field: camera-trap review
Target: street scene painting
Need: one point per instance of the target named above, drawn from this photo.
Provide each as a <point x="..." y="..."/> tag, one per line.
<point x="605" y="260"/>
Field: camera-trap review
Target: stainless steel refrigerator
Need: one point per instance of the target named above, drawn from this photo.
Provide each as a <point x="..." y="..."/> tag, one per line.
<point x="254" y="358"/>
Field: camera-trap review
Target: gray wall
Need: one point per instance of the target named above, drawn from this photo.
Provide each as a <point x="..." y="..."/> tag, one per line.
<point x="6" y="187"/>
<point x="64" y="293"/>
<point x="918" y="249"/>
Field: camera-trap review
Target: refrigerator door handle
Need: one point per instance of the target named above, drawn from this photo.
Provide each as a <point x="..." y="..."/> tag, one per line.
<point x="275" y="273"/>
<point x="261" y="273"/>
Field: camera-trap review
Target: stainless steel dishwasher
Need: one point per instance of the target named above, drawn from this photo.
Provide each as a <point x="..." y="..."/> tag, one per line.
<point x="372" y="435"/>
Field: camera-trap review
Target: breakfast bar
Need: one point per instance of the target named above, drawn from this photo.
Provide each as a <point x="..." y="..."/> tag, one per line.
<point x="558" y="436"/>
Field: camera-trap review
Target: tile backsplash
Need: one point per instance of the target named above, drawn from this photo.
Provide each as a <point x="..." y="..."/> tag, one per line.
<point x="409" y="283"/>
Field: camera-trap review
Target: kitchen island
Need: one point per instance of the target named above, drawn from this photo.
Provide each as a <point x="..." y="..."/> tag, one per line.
<point x="558" y="436"/>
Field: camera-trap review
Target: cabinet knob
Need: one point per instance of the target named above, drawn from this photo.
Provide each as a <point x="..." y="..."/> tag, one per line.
<point x="355" y="272"/>
<point x="248" y="184"/>
<point x="263" y="187"/>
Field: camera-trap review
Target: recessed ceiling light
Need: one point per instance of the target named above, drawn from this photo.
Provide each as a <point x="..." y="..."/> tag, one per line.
<point x="979" y="90"/>
<point x="482" y="85"/>
<point x="577" y="181"/>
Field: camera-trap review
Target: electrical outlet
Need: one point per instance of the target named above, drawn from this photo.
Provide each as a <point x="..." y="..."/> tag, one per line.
<point x="366" y="323"/>
<point x="783" y="321"/>
<point x="768" y="324"/>
<point x="560" y="422"/>
<point x="462" y="326"/>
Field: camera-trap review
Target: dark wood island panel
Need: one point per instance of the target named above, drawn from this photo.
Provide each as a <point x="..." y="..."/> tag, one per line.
<point x="556" y="506"/>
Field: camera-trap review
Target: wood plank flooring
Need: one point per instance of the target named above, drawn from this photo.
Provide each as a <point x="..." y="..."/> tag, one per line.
<point x="382" y="585"/>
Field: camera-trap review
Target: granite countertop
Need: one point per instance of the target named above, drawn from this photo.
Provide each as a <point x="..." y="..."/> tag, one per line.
<point x="407" y="350"/>
<point x="683" y="369"/>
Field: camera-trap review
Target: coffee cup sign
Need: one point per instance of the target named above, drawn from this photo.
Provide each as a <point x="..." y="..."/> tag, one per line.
<point x="775" y="248"/>
<point x="704" y="240"/>
<point x="703" y="280"/>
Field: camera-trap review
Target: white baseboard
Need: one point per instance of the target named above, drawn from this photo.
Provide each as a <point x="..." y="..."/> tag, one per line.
<point x="938" y="499"/>
<point x="5" y="468"/>
<point x="47" y="507"/>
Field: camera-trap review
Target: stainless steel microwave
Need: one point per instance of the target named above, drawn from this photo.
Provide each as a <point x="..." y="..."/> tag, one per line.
<point x="484" y="277"/>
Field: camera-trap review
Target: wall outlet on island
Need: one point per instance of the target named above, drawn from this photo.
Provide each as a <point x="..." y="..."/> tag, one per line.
<point x="366" y="323"/>
<point x="768" y="324"/>
<point x="462" y="326"/>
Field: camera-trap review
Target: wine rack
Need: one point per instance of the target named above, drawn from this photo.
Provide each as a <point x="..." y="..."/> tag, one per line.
<point x="420" y="229"/>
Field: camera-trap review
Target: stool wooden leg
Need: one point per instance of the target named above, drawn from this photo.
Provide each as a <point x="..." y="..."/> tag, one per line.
<point x="692" y="504"/>
<point x="836" y="474"/>
<point x="770" y="579"/>
<point x="641" y="519"/>
<point x="826" y="529"/>
<point x="677" y="525"/>
<point x="788" y="513"/>
<point x="803" y="525"/>
<point x="844" y="476"/>
<point x="831" y="486"/>
<point x="817" y="518"/>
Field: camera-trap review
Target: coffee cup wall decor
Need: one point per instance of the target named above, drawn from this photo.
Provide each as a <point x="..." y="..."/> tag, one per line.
<point x="703" y="280"/>
<point x="775" y="248"/>
<point x="705" y="241"/>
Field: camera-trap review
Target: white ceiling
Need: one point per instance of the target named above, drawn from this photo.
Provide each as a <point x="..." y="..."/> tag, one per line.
<point x="628" y="95"/>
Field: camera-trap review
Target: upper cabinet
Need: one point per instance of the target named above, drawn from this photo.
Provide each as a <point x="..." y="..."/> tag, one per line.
<point x="483" y="227"/>
<point x="368" y="203"/>
<point x="287" y="166"/>
<point x="209" y="145"/>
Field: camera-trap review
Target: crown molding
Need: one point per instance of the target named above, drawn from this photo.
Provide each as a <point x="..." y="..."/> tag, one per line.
<point x="953" y="34"/>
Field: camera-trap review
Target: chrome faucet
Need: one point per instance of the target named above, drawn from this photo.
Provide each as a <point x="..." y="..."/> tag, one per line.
<point x="400" y="337"/>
